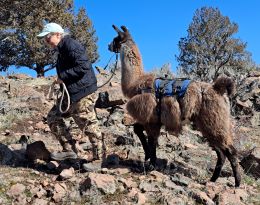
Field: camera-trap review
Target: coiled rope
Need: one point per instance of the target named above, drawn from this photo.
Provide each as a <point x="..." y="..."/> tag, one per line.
<point x="64" y="90"/>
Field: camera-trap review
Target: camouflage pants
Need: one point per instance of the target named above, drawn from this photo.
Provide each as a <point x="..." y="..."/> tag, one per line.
<point x="84" y="116"/>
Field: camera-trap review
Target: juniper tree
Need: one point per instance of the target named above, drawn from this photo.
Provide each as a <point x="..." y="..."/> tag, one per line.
<point x="164" y="71"/>
<point x="21" y="21"/>
<point x="210" y="47"/>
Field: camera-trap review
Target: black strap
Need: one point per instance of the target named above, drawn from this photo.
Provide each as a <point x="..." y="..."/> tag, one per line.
<point x="159" y="107"/>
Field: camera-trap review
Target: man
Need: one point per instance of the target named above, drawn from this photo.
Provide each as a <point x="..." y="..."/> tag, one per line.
<point x="76" y="72"/>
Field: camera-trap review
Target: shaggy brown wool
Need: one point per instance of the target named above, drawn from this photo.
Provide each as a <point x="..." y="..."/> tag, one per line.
<point x="206" y="105"/>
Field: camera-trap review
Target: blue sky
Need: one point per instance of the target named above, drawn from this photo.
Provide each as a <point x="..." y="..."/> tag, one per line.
<point x="157" y="26"/>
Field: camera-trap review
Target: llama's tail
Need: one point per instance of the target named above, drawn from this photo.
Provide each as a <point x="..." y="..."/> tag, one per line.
<point x="224" y="85"/>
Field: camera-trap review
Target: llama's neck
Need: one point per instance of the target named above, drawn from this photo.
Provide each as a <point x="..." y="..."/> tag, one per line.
<point x="132" y="66"/>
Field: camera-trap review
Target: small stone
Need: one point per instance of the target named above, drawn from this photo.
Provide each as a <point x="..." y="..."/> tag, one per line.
<point x="16" y="190"/>
<point x="104" y="182"/>
<point x="45" y="183"/>
<point x="141" y="198"/>
<point x="58" y="188"/>
<point x="92" y="166"/>
<point x="158" y="176"/>
<point x="67" y="173"/>
<point x="180" y="180"/>
<point x="36" y="172"/>
<point x="30" y="128"/>
<point x="201" y="197"/>
<point x="30" y="181"/>
<point x="41" y="193"/>
<point x="128" y="183"/>
<point x="40" y="202"/>
<point x="121" y="171"/>
<point x="57" y="197"/>
<point x="40" y="125"/>
<point x="148" y="186"/>
<point x="171" y="185"/>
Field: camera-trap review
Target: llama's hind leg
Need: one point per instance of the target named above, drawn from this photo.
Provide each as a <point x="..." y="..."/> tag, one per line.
<point x="139" y="131"/>
<point x="219" y="165"/>
<point x="231" y="154"/>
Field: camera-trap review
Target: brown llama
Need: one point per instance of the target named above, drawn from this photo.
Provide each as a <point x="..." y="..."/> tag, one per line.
<point x="206" y="105"/>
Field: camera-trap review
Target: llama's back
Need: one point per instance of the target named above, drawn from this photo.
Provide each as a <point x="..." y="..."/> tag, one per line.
<point x="191" y="102"/>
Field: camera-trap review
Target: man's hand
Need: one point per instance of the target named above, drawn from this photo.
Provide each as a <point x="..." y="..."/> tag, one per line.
<point x="58" y="81"/>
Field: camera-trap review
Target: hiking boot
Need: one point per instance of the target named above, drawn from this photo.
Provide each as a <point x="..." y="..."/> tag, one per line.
<point x="59" y="156"/>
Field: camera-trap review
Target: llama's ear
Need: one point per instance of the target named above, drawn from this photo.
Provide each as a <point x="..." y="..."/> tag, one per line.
<point x="116" y="29"/>
<point x="124" y="29"/>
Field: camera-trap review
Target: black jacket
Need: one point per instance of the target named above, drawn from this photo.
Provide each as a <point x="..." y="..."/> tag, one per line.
<point x="74" y="69"/>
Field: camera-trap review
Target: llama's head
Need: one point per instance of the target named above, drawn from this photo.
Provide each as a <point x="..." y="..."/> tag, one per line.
<point x="122" y="37"/>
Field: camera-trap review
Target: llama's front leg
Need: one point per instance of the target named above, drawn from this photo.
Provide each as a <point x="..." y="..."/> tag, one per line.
<point x="153" y="132"/>
<point x="152" y="141"/>
<point x="231" y="154"/>
<point x="139" y="131"/>
<point x="219" y="165"/>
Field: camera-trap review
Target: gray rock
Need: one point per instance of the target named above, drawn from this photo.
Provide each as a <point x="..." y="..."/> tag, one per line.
<point x="16" y="190"/>
<point x="172" y="186"/>
<point x="180" y="180"/>
<point x="92" y="166"/>
<point x="104" y="182"/>
<point x="148" y="186"/>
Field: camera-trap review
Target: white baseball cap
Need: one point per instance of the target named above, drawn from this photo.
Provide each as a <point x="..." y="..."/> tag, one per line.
<point x="51" y="28"/>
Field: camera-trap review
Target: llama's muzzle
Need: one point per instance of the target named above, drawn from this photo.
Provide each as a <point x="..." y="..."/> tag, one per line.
<point x="113" y="47"/>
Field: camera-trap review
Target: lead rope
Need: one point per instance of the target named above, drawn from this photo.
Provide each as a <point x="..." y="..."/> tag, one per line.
<point x="112" y="71"/>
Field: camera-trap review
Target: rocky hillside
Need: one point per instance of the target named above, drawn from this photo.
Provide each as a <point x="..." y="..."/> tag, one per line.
<point x="185" y="163"/>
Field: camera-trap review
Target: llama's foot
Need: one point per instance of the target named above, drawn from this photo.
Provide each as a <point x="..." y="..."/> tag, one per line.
<point x="152" y="163"/>
<point x="151" y="167"/>
<point x="212" y="179"/>
<point x="147" y="157"/>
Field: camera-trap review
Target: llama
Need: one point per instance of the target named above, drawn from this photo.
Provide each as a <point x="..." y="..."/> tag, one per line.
<point x="206" y="105"/>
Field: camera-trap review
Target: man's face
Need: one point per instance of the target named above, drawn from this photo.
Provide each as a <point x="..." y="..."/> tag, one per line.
<point x="53" y="39"/>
